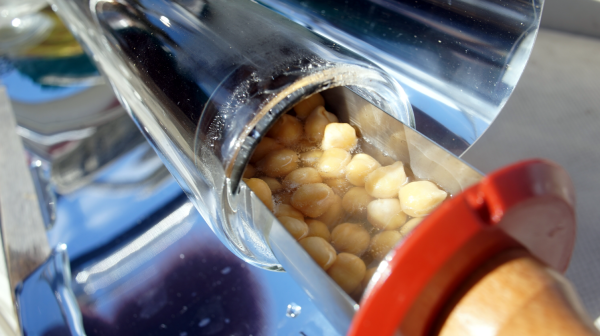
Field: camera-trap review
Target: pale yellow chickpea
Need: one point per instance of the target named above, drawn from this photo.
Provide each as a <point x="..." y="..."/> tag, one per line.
<point x="287" y="130"/>
<point x="273" y="184"/>
<point x="334" y="214"/>
<point x="249" y="172"/>
<point x="359" y="167"/>
<point x="350" y="238"/>
<point x="339" y="135"/>
<point x="347" y="271"/>
<point x="317" y="228"/>
<point x="301" y="176"/>
<point x="311" y="158"/>
<point x="287" y="210"/>
<point x="262" y="190"/>
<point x="312" y="199"/>
<point x="315" y="124"/>
<point x="279" y="163"/>
<point x="306" y="106"/>
<point x="297" y="228"/>
<point x="420" y="198"/>
<point x="385" y="182"/>
<point x="410" y="225"/>
<point x="356" y="200"/>
<point x="283" y="197"/>
<point x="386" y="214"/>
<point x="333" y="162"/>
<point x="383" y="242"/>
<point x="368" y="276"/>
<point x="320" y="251"/>
<point x="264" y="147"/>
<point x="340" y="186"/>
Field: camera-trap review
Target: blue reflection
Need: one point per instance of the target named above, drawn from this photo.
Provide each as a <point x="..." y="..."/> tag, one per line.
<point x="23" y="89"/>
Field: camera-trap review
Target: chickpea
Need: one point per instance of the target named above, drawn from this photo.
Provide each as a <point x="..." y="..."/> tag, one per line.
<point x="314" y="128"/>
<point x="320" y="251"/>
<point x="358" y="169"/>
<point x="347" y="271"/>
<point x="333" y="162"/>
<point x="279" y="163"/>
<point x="287" y="210"/>
<point x="301" y="176"/>
<point x="249" y="172"/>
<point x="386" y="214"/>
<point x="420" y="198"/>
<point x="385" y="182"/>
<point x="262" y="190"/>
<point x="311" y="158"/>
<point x="306" y="106"/>
<point x="273" y="184"/>
<point x="287" y="130"/>
<point x="297" y="228"/>
<point x="368" y="276"/>
<point x="350" y="238"/>
<point x="264" y="147"/>
<point x="356" y="200"/>
<point x="334" y="214"/>
<point x="284" y="197"/>
<point x="383" y="242"/>
<point x="410" y="225"/>
<point x="339" y="135"/>
<point x="339" y="186"/>
<point x="304" y="146"/>
<point x="317" y="228"/>
<point x="313" y="199"/>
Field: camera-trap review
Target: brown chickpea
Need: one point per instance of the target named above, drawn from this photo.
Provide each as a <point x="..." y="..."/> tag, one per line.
<point x="358" y="169"/>
<point x="307" y="105"/>
<point x="410" y="225"/>
<point x="383" y="242"/>
<point x="279" y="163"/>
<point x="317" y="228"/>
<point x="283" y="197"/>
<point x="339" y="186"/>
<point x="301" y="176"/>
<point x="333" y="162"/>
<point x="356" y="200"/>
<point x="304" y="145"/>
<point x="339" y="135"/>
<point x="262" y="190"/>
<point x="249" y="172"/>
<point x="314" y="128"/>
<point x="311" y="158"/>
<point x="347" y="271"/>
<point x="334" y="214"/>
<point x="313" y="199"/>
<point x="287" y="210"/>
<point x="320" y="251"/>
<point x="386" y="214"/>
<point x="273" y="184"/>
<point x="420" y="198"/>
<point x="350" y="238"/>
<point x="264" y="147"/>
<point x="368" y="276"/>
<point x="385" y="182"/>
<point x="287" y="130"/>
<point x="297" y="228"/>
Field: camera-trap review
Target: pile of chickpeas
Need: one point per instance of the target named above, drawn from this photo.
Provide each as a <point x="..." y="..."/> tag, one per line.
<point x="344" y="208"/>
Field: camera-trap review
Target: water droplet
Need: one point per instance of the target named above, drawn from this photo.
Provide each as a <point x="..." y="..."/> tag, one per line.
<point x="293" y="310"/>
<point x="204" y="322"/>
<point x="163" y="326"/>
<point x="183" y="334"/>
<point x="226" y="270"/>
<point x="226" y="320"/>
<point x="182" y="256"/>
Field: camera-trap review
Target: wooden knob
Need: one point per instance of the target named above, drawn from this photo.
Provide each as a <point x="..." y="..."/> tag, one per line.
<point x="514" y="294"/>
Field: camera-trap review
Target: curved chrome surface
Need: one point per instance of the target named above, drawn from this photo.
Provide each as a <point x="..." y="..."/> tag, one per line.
<point x="458" y="60"/>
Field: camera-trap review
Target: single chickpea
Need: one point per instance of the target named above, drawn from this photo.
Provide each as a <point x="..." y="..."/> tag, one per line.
<point x="279" y="163"/>
<point x="339" y="135"/>
<point x="356" y="200"/>
<point x="313" y="199"/>
<point x="273" y="184"/>
<point x="262" y="190"/>
<point x="383" y="242"/>
<point x="320" y="251"/>
<point x="339" y="186"/>
<point x="304" y="145"/>
<point x="306" y="106"/>
<point x="249" y="172"/>
<point x="264" y="147"/>
<point x="358" y="169"/>
<point x="420" y="198"/>
<point x="385" y="182"/>
<point x="287" y="130"/>
<point x="368" y="276"/>
<point x="311" y="158"/>
<point x="410" y="225"/>
<point x="317" y="228"/>
<point x="333" y="162"/>
<point x="347" y="271"/>
<point x="350" y="238"/>
<point x="283" y="197"/>
<point x="334" y="214"/>
<point x="314" y="128"/>
<point x="386" y="214"/>
<point x="297" y="228"/>
<point x="301" y="176"/>
<point x="286" y="210"/>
